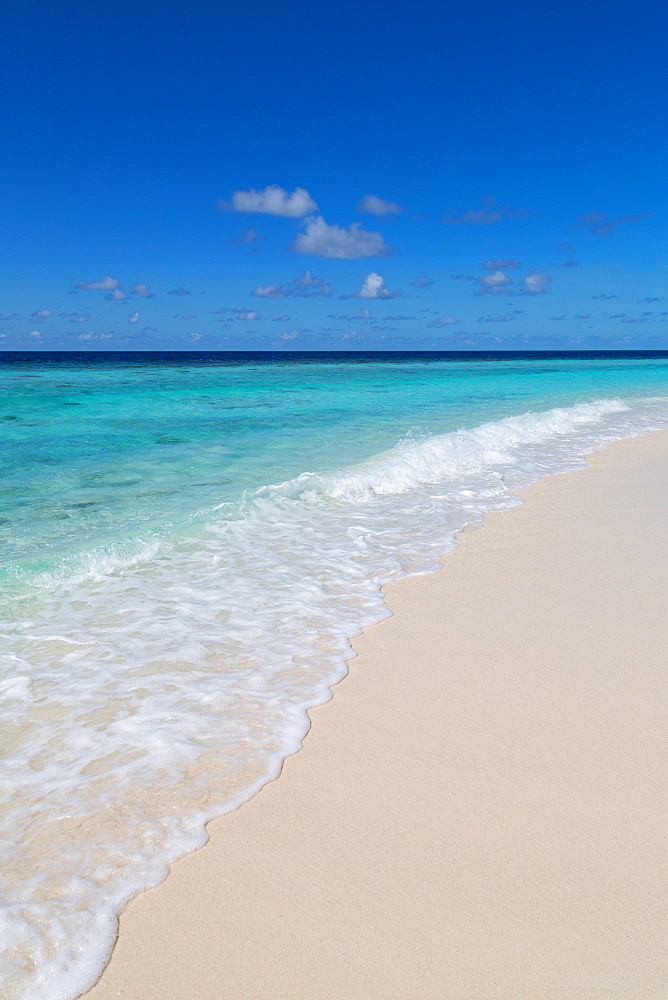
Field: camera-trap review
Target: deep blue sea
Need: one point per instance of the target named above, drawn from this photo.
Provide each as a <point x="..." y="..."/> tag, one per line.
<point x="187" y="543"/>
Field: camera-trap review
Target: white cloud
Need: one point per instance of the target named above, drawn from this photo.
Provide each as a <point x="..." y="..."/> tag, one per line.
<point x="494" y="283"/>
<point x="195" y="336"/>
<point x="305" y="286"/>
<point x="36" y="334"/>
<point x="370" y="204"/>
<point x="364" y="313"/>
<point x="374" y="287"/>
<point x="117" y="295"/>
<point x="242" y="313"/>
<point x="422" y="282"/>
<point x="272" y="291"/>
<point x="290" y="336"/>
<point x="442" y="321"/>
<point x="41" y="314"/>
<point x="536" y="283"/>
<point x="106" y="284"/>
<point x="272" y="200"/>
<point x="78" y="319"/>
<point x="281" y="319"/>
<point x="134" y="318"/>
<point x="323" y="240"/>
<point x="142" y="290"/>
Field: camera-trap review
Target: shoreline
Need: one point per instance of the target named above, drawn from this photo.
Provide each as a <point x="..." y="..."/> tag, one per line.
<point x="491" y="831"/>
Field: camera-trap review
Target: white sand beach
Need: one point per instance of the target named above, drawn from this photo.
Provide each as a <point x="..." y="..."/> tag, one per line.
<point x="480" y="812"/>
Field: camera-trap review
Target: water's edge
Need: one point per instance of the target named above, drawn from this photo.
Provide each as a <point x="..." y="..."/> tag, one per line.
<point x="273" y="773"/>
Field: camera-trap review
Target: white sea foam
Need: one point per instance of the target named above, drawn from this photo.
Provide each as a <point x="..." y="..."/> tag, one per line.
<point x="149" y="688"/>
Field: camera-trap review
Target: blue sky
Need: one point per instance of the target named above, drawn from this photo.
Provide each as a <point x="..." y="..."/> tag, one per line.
<point x="334" y="175"/>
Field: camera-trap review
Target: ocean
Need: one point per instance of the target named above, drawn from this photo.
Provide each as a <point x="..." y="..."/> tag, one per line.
<point x="188" y="541"/>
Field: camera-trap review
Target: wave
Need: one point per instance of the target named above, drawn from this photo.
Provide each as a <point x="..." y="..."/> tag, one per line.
<point x="464" y="452"/>
<point x="416" y="461"/>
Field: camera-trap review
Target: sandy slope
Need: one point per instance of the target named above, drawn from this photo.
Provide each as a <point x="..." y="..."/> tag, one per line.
<point x="481" y="811"/>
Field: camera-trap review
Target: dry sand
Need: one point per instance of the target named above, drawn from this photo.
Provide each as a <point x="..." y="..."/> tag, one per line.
<point x="481" y="810"/>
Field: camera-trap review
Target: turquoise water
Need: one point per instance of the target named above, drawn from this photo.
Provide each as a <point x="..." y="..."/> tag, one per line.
<point x="94" y="450"/>
<point x="188" y="543"/>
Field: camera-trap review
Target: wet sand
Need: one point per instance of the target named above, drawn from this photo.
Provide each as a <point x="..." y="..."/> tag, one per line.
<point x="480" y="813"/>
